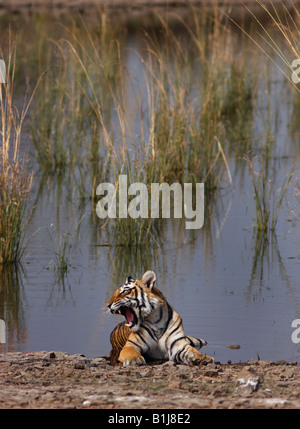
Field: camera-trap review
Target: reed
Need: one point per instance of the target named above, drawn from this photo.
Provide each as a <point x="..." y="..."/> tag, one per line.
<point x="66" y="132"/>
<point x="204" y="102"/>
<point x="15" y="180"/>
<point x="62" y="245"/>
<point x="193" y="97"/>
<point x="285" y="20"/>
<point x="281" y="52"/>
<point x="182" y="120"/>
<point x="268" y="201"/>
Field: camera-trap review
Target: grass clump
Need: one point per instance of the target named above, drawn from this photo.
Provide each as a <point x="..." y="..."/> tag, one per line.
<point x="62" y="247"/>
<point x="268" y="202"/>
<point x="15" y="181"/>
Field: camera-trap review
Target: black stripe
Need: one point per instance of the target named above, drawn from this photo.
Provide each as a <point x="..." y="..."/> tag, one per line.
<point x="134" y="298"/>
<point x="176" y="327"/>
<point x="189" y="340"/>
<point x="170" y="315"/>
<point x="130" y="341"/>
<point x="143" y="299"/>
<point x="149" y="332"/>
<point x="184" y="351"/>
<point x="144" y="341"/>
<point x="160" y="315"/>
<point x="172" y="332"/>
<point x="174" y="342"/>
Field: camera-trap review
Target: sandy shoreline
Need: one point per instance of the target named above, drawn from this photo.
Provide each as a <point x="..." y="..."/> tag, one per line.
<point x="48" y="380"/>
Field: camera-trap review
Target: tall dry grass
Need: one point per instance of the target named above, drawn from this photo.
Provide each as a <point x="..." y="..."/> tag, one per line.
<point x="280" y="51"/>
<point x="15" y="181"/>
<point x="196" y="91"/>
<point x="268" y="200"/>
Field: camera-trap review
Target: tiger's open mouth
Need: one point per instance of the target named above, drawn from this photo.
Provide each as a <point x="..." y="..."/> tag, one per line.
<point x="128" y="314"/>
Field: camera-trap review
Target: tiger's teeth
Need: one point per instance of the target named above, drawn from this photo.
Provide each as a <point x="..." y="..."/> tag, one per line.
<point x="129" y="324"/>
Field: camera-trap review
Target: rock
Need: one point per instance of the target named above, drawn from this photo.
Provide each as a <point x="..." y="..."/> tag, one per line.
<point x="281" y="362"/>
<point x="264" y="363"/>
<point x="98" y="361"/>
<point x="212" y="372"/>
<point x="49" y="355"/>
<point x="168" y="363"/>
<point x="184" y="368"/>
<point x="274" y="402"/>
<point x="146" y="372"/>
<point x="217" y="392"/>
<point x="253" y="362"/>
<point x="247" y="382"/>
<point x="47" y="358"/>
<point x="175" y="384"/>
<point x="81" y="363"/>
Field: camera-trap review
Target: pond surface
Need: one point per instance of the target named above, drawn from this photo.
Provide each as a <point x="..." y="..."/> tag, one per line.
<point x="229" y="288"/>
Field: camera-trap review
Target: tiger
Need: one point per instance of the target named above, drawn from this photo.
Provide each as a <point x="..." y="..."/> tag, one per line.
<point x="153" y="330"/>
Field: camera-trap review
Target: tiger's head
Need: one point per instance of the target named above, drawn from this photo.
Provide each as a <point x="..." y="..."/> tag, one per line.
<point x="136" y="300"/>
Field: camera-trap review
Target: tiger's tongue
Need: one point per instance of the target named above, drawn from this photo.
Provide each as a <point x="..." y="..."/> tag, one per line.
<point x="129" y="318"/>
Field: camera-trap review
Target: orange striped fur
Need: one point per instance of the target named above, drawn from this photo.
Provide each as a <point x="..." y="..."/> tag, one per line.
<point x="153" y="329"/>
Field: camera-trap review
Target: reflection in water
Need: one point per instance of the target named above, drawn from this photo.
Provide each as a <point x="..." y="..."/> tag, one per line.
<point x="61" y="289"/>
<point x="12" y="300"/>
<point x="266" y="258"/>
<point x="134" y="262"/>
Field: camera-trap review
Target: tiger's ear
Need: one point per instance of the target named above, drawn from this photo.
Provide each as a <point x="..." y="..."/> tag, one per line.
<point x="149" y="279"/>
<point x="129" y="280"/>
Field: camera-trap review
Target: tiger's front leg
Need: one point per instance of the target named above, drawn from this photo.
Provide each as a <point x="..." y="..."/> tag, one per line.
<point x="193" y="357"/>
<point x="131" y="356"/>
<point x="182" y="352"/>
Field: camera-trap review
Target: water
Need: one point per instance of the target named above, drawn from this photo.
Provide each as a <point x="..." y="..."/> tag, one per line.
<point x="227" y="290"/>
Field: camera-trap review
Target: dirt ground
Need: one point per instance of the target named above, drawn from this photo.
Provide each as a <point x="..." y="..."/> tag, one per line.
<point x="58" y="380"/>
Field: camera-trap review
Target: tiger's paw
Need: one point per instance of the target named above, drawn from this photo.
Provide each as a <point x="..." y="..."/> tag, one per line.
<point x="130" y="356"/>
<point x="193" y="357"/>
<point x="136" y="361"/>
<point x="201" y="359"/>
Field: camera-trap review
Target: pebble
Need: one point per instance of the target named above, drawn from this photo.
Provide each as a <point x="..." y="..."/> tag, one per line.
<point x="212" y="372"/>
<point x="175" y="384"/>
<point x="168" y="364"/>
<point x="80" y="364"/>
<point x="49" y="355"/>
<point x="248" y="381"/>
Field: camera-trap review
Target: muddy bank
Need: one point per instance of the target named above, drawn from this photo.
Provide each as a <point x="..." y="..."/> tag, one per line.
<point x="17" y="6"/>
<point x="59" y="380"/>
<point x="133" y="4"/>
